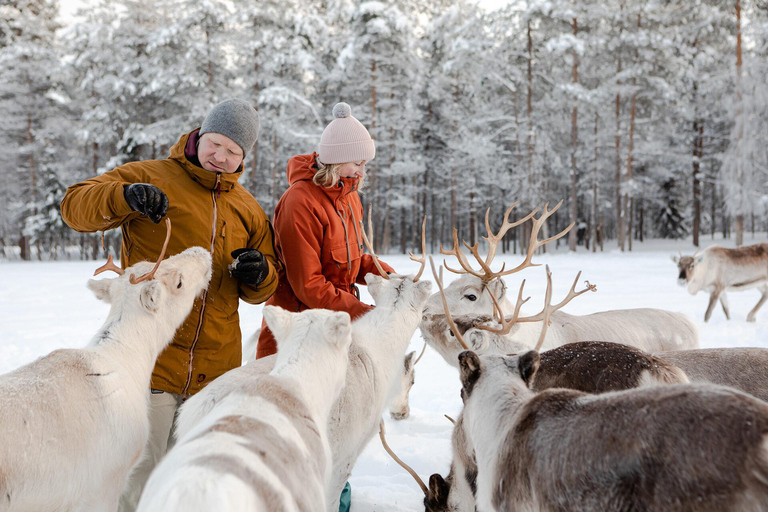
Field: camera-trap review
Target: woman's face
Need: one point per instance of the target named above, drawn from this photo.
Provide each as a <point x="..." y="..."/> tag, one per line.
<point x="352" y="169"/>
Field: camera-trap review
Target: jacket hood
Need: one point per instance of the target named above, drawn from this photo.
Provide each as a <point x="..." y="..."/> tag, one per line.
<point x="202" y="176"/>
<point x="301" y="167"/>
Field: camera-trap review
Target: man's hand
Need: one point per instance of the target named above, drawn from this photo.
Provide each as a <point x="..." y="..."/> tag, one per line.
<point x="147" y="199"/>
<point x="249" y="267"/>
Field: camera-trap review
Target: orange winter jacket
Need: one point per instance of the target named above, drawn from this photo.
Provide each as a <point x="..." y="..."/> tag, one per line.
<point x="207" y="209"/>
<point x="318" y="240"/>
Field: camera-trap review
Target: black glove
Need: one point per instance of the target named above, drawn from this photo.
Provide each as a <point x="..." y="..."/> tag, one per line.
<point x="250" y="266"/>
<point x="147" y="199"/>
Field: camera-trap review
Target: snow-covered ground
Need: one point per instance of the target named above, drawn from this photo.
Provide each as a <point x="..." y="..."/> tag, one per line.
<point x="45" y="306"/>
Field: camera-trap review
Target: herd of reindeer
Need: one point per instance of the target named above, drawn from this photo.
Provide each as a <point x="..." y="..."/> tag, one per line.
<point x="613" y="411"/>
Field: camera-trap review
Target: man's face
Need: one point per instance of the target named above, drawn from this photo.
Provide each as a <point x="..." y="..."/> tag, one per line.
<point x="219" y="153"/>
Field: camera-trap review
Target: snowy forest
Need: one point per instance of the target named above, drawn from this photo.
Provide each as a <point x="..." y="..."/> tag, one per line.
<point x="649" y="118"/>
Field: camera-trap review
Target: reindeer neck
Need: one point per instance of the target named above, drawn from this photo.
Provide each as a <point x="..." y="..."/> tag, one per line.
<point x="132" y="343"/>
<point x="385" y="333"/>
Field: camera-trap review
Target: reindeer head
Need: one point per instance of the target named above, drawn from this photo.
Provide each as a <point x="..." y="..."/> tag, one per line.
<point x="399" y="408"/>
<point x="685" y="267"/>
<point x="326" y="334"/>
<point x="167" y="297"/>
<point x="398" y="292"/>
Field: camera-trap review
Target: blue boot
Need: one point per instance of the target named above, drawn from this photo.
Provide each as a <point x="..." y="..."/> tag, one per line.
<point x="346" y="498"/>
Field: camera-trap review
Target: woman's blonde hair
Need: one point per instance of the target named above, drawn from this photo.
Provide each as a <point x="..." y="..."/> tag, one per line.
<point x="327" y="175"/>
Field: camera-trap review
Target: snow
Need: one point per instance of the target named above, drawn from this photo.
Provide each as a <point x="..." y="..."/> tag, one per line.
<point x="45" y="306"/>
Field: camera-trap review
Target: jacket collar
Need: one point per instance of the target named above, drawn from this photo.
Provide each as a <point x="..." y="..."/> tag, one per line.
<point x="185" y="153"/>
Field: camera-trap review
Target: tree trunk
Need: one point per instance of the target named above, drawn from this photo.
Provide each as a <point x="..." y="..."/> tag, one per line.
<point x="529" y="113"/>
<point x="739" y="122"/>
<point x="696" y="169"/>
<point x="629" y="199"/>
<point x="573" y="207"/>
<point x="595" y="192"/>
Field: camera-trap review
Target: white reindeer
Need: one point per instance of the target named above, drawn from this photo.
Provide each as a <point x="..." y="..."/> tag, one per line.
<point x="265" y="446"/>
<point x="623" y="450"/>
<point x="379" y="341"/>
<point x="75" y="422"/>
<point x="718" y="269"/>
<point x="482" y="295"/>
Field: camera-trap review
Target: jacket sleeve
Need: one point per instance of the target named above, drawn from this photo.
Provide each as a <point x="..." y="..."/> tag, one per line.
<point x="300" y="232"/>
<point x="262" y="239"/>
<point x="367" y="266"/>
<point x="98" y="204"/>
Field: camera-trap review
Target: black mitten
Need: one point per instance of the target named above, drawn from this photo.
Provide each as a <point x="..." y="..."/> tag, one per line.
<point x="249" y="267"/>
<point x="147" y="199"/>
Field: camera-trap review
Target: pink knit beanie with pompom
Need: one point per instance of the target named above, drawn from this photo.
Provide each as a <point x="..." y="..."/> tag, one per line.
<point x="345" y="139"/>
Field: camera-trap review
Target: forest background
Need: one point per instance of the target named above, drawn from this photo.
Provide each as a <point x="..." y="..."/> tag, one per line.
<point x="648" y="117"/>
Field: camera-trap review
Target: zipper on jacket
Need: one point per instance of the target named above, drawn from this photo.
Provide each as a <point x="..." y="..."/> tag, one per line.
<point x="205" y="292"/>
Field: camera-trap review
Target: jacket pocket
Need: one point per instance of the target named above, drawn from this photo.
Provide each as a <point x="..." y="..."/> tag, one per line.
<point x="346" y="262"/>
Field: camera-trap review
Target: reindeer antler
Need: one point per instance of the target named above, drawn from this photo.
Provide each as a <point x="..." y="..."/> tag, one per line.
<point x="151" y="274"/>
<point x="423" y="259"/>
<point x="545" y="314"/>
<point x="369" y="245"/>
<point x="448" y="317"/>
<point x="400" y="462"/>
<point x="423" y="349"/>
<point x="109" y="265"/>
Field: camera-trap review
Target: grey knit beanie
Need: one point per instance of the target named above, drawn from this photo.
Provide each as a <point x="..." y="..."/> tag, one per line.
<point x="345" y="139"/>
<point x="235" y="119"/>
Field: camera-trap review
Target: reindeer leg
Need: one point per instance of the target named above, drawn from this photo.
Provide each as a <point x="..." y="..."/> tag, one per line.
<point x="714" y="296"/>
<point x="724" y="303"/>
<point x="763" y="298"/>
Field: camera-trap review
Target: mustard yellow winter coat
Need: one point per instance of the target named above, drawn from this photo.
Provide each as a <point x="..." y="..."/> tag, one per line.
<point x="207" y="209"/>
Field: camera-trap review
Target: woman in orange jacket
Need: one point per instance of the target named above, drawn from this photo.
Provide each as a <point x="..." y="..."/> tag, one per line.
<point x="317" y="226"/>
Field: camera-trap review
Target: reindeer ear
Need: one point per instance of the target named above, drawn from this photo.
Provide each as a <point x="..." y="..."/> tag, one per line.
<point x="424" y="290"/>
<point x="278" y="320"/>
<point x="675" y="259"/>
<point x="528" y="365"/>
<point x="408" y="362"/>
<point x="338" y="329"/>
<point x="698" y="259"/>
<point x="499" y="288"/>
<point x="150" y="295"/>
<point x="374" y="283"/>
<point x="438" y="493"/>
<point x="470" y="369"/>
<point x="100" y="288"/>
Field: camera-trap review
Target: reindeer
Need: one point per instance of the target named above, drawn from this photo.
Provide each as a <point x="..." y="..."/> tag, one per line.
<point x="625" y="450"/>
<point x="718" y="270"/>
<point x="265" y="446"/>
<point x="482" y="294"/>
<point x="76" y="421"/>
<point x="379" y="341"/>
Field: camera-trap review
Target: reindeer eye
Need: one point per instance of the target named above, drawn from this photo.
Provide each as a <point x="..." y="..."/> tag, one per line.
<point x="179" y="285"/>
<point x="471" y="297"/>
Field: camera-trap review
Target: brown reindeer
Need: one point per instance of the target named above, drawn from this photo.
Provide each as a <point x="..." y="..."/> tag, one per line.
<point x="718" y="270"/>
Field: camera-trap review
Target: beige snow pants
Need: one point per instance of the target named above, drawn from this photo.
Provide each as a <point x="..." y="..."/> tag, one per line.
<point x="162" y="414"/>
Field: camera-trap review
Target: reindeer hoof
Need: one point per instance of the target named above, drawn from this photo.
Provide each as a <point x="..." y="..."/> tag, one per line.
<point x="751" y="319"/>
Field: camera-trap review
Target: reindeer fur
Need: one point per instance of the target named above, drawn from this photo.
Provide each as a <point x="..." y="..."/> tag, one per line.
<point x="379" y="341"/>
<point x="75" y="422"/>
<point x="694" y="447"/>
<point x="265" y="446"/>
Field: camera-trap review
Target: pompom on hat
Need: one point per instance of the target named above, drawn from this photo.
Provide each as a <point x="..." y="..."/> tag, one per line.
<point x="345" y="139"/>
<point x="235" y="119"/>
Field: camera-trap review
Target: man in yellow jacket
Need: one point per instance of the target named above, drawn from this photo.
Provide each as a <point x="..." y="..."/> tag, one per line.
<point x="197" y="188"/>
